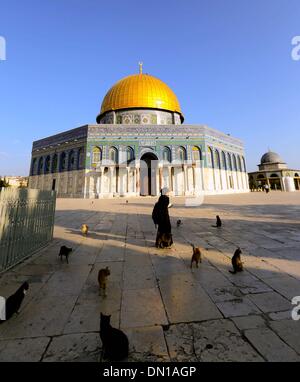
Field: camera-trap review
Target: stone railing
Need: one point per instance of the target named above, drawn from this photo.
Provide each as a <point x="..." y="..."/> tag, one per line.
<point x="26" y="223"/>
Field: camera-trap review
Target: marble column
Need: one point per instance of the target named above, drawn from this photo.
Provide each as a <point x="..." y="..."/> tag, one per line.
<point x="111" y="174"/>
<point x="138" y="177"/>
<point x="170" y="178"/>
<point x="134" y="180"/>
<point x="160" y="178"/>
<point x="158" y="181"/>
<point x="127" y="180"/>
<point x="185" y="177"/>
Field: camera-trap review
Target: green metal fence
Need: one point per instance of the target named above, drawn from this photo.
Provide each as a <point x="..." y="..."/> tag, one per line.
<point x="26" y="223"/>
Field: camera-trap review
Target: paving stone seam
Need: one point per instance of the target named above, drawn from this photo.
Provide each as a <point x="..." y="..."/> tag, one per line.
<point x="161" y="296"/>
<point x="46" y="349"/>
<point x="268" y="325"/>
<point x="158" y="287"/>
<point x="242" y="333"/>
<point x="49" y="336"/>
<point x="123" y="267"/>
<point x="83" y="284"/>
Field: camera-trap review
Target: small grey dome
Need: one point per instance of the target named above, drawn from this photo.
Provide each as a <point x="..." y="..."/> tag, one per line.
<point x="271" y="157"/>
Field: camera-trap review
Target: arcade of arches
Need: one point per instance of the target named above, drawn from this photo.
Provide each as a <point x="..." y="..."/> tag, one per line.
<point x="140" y="123"/>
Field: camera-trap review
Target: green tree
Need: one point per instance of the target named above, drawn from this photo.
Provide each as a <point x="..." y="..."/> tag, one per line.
<point x="3" y="183"/>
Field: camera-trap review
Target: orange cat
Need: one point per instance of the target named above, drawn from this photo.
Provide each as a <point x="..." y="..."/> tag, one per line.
<point x="84" y="229"/>
<point x="197" y="256"/>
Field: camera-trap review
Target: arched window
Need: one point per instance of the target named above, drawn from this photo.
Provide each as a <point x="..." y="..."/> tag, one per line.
<point x="62" y="161"/>
<point x="229" y="161"/>
<point x="54" y="163"/>
<point x="80" y="159"/>
<point x="260" y="176"/>
<point x="40" y="166"/>
<point x="113" y="155"/>
<point x="244" y="164"/>
<point x="71" y="161"/>
<point x="47" y="164"/>
<point x="166" y="154"/>
<point x="210" y="158"/>
<point x="296" y="175"/>
<point x="196" y="154"/>
<point x="217" y="161"/>
<point x="96" y="155"/>
<point x="129" y="154"/>
<point x="33" y="166"/>
<point x="181" y="154"/>
<point x="234" y="162"/>
<point x="239" y="163"/>
<point x="224" y="164"/>
<point x="274" y="176"/>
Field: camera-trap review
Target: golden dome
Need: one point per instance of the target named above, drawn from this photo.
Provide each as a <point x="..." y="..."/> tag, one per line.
<point x="140" y="91"/>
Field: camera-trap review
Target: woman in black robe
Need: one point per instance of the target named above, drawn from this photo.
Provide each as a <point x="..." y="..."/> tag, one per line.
<point x="160" y="216"/>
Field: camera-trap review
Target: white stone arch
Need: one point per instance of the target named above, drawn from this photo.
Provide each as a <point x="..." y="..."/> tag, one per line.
<point x="40" y="169"/>
<point x="166" y="152"/>
<point x="211" y="168"/>
<point x="34" y="164"/>
<point x="147" y="150"/>
<point x="235" y="171"/>
<point x="181" y="154"/>
<point x="230" y="170"/>
<point x="113" y="154"/>
<point x="224" y="171"/>
<point x="240" y="171"/>
<point x="149" y="172"/>
<point x="96" y="155"/>
<point x="197" y="169"/>
<point x="217" y="169"/>
<point x="130" y="154"/>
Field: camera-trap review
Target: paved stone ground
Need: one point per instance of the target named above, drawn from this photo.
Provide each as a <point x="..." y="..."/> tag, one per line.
<point x="168" y="311"/>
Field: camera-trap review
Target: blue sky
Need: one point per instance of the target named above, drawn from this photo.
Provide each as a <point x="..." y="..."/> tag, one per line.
<point x="228" y="61"/>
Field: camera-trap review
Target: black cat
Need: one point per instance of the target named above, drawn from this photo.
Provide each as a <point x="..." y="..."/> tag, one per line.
<point x="218" y="222"/>
<point x="64" y="251"/>
<point x="13" y="303"/>
<point x="179" y="222"/>
<point x="114" y="341"/>
<point x="236" y="261"/>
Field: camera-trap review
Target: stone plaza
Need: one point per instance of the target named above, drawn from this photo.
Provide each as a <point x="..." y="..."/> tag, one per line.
<point x="168" y="311"/>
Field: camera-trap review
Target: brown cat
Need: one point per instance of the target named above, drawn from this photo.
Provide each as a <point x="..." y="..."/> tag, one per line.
<point x="102" y="279"/>
<point x="84" y="229"/>
<point x="237" y="262"/>
<point x="197" y="256"/>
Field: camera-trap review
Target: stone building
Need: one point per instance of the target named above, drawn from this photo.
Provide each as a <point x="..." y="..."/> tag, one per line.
<point x="138" y="146"/>
<point x="15" y="181"/>
<point x="274" y="172"/>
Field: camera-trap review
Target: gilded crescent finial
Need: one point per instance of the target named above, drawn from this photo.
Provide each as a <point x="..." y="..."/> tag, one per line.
<point x="141" y="67"/>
